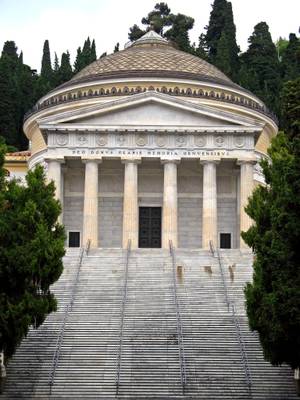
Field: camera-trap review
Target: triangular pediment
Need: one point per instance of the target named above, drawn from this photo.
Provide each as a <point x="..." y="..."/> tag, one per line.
<point x="144" y="110"/>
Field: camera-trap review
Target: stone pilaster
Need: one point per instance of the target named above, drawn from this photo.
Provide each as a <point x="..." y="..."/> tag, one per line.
<point x="54" y="174"/>
<point x="246" y="188"/>
<point x="130" y="203"/>
<point x="209" y="212"/>
<point x="90" y="205"/>
<point x="170" y="214"/>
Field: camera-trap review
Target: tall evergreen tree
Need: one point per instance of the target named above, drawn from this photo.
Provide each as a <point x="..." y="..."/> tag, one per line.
<point x="273" y="299"/>
<point x="46" y="70"/>
<point x="222" y="60"/>
<point x="65" y="72"/>
<point x="221" y="21"/>
<point x="17" y="88"/>
<point x="117" y="47"/>
<point x="85" y="56"/>
<point x="93" y="51"/>
<point x="30" y="256"/>
<point x="261" y="61"/>
<point x="290" y="60"/>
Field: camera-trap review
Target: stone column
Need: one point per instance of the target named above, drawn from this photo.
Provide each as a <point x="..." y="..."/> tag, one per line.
<point x="54" y="174"/>
<point x="90" y="205"/>
<point x="246" y="188"/>
<point x="130" y="203"/>
<point x="209" y="207"/>
<point x="169" y="214"/>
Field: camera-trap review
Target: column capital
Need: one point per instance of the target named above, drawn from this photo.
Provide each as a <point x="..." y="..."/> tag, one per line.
<point x="170" y="160"/>
<point x="91" y="159"/>
<point x="204" y="161"/>
<point x="60" y="160"/>
<point x="246" y="160"/>
<point x="128" y="160"/>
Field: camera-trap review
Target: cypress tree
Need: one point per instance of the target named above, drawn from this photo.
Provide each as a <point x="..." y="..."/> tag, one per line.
<point x="117" y="47"/>
<point x="222" y="60"/>
<point x="290" y="60"/>
<point x="65" y="72"/>
<point x="273" y="300"/>
<point x="85" y="56"/>
<point x="93" y="51"/>
<point x="46" y="70"/>
<point x="261" y="61"/>
<point x="221" y="20"/>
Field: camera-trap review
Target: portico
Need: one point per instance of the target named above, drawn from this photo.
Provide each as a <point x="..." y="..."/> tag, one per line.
<point x="110" y="192"/>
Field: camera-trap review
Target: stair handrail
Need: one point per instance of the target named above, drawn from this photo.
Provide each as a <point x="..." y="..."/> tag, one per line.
<point x="66" y="314"/>
<point x="124" y="298"/>
<point x="242" y="349"/>
<point x="216" y="251"/>
<point x="231" y="308"/>
<point x="178" y="321"/>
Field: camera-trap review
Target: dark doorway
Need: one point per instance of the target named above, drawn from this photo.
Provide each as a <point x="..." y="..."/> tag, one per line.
<point x="225" y="240"/>
<point x="74" y="239"/>
<point x="150" y="227"/>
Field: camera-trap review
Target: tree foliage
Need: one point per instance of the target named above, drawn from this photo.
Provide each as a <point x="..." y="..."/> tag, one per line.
<point x="31" y="251"/>
<point x="221" y="28"/>
<point x="260" y="70"/>
<point x="174" y="27"/>
<point x="273" y="299"/>
<point x="85" y="56"/>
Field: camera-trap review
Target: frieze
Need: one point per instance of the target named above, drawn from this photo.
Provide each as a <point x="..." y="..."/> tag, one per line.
<point x="157" y="141"/>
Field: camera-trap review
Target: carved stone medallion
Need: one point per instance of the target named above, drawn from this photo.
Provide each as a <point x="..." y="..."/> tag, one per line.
<point x="120" y="139"/>
<point x="200" y="141"/>
<point x="160" y="141"/>
<point x="62" y="139"/>
<point x="219" y="141"/>
<point x="82" y="139"/>
<point x="141" y="140"/>
<point x="180" y="140"/>
<point x="239" y="141"/>
<point x="102" y="139"/>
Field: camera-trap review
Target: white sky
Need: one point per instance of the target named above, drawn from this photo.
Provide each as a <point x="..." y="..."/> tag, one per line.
<point x="67" y="23"/>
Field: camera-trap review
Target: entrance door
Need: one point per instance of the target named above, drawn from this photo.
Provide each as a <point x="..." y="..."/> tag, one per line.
<point x="225" y="240"/>
<point x="150" y="227"/>
<point x="74" y="239"/>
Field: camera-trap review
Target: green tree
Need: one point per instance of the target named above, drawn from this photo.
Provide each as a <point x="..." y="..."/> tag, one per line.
<point x="160" y="19"/>
<point x="31" y="251"/>
<point x="261" y="61"/>
<point x="17" y="82"/>
<point x="222" y="60"/>
<point x="221" y="22"/>
<point x="178" y="33"/>
<point x="273" y="299"/>
<point x="65" y="72"/>
<point x="46" y="69"/>
<point x="85" y="56"/>
<point x="290" y="59"/>
<point x="117" y="47"/>
<point x="202" y="50"/>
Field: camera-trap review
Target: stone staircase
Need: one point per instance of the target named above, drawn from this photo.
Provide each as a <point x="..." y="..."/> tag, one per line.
<point x="221" y="361"/>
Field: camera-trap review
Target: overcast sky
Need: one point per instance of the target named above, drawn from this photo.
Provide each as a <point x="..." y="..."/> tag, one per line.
<point x="67" y="23"/>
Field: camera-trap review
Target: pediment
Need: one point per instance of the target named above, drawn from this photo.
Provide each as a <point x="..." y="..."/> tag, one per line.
<point x="144" y="110"/>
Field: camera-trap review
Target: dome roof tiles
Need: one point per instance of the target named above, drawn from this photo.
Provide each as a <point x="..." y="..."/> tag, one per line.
<point x="148" y="56"/>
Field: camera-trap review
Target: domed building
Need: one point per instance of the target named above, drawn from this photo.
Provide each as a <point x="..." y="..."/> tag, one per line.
<point x="154" y="146"/>
<point x="151" y="144"/>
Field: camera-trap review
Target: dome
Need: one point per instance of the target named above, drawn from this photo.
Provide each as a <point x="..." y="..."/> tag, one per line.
<point x="151" y="55"/>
